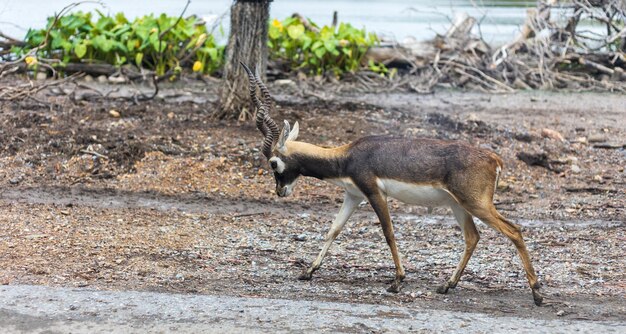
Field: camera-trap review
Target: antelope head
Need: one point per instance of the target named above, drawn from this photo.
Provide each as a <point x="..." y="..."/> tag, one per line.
<point x="286" y="169"/>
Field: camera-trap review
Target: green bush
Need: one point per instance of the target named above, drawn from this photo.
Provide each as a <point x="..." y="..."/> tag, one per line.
<point x="77" y="37"/>
<point x="185" y="43"/>
<point x="333" y="49"/>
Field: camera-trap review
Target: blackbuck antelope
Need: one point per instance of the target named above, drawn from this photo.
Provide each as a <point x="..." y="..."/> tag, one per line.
<point x="426" y="172"/>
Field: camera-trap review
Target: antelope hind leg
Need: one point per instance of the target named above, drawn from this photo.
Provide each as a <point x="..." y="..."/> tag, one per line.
<point x="471" y="236"/>
<point x="493" y="218"/>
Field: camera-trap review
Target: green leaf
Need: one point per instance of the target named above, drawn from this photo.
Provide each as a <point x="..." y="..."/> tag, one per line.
<point x="330" y="45"/>
<point x="316" y="45"/>
<point x="307" y="42"/>
<point x="320" y="52"/>
<point x="274" y="33"/>
<point x="326" y="33"/>
<point x="120" y="18"/>
<point x="80" y="50"/>
<point x="102" y="43"/>
<point x="295" y="31"/>
<point x="138" y="59"/>
<point x="213" y="53"/>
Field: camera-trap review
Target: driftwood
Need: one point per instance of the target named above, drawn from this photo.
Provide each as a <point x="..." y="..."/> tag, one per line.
<point x="391" y="55"/>
<point x="305" y="22"/>
<point x="545" y="54"/>
<point x="95" y="70"/>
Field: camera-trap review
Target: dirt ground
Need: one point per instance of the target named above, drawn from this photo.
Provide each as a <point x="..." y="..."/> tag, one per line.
<point x="165" y="198"/>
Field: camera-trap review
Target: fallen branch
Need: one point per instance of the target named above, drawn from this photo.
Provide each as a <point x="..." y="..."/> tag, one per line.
<point x="94" y="153"/>
<point x="20" y="92"/>
<point x="593" y="190"/>
<point x="91" y="69"/>
<point x="305" y="22"/>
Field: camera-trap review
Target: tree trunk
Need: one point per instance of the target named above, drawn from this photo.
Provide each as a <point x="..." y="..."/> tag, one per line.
<point x="247" y="43"/>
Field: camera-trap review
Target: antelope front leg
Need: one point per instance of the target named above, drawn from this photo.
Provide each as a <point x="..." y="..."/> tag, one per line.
<point x="350" y="203"/>
<point x="379" y="204"/>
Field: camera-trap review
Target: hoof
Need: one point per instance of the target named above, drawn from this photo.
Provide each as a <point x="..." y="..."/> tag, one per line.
<point x="443" y="289"/>
<point x="537" y="297"/>
<point x="305" y="276"/>
<point x="395" y="287"/>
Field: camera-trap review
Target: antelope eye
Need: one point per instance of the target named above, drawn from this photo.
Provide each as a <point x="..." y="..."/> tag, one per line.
<point x="274" y="164"/>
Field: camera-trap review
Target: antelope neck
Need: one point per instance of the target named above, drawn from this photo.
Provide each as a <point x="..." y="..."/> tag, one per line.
<point x="318" y="162"/>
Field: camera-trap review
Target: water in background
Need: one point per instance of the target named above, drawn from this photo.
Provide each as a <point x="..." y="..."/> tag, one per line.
<point x="395" y="19"/>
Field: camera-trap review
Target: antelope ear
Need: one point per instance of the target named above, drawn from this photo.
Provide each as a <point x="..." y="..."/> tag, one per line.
<point x="293" y="134"/>
<point x="284" y="135"/>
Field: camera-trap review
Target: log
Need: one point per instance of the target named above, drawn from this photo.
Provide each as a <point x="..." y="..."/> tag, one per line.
<point x="391" y="56"/>
<point x="305" y="22"/>
<point x="596" y="66"/>
<point x="92" y="69"/>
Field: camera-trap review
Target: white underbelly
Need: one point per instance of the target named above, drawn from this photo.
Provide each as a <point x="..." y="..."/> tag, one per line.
<point x="410" y="193"/>
<point x="347" y="184"/>
<point x="423" y="195"/>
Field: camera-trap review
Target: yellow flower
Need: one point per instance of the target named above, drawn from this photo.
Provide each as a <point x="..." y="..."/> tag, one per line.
<point x="30" y="60"/>
<point x="277" y="24"/>
<point x="197" y="66"/>
<point x="153" y="30"/>
<point x="343" y="43"/>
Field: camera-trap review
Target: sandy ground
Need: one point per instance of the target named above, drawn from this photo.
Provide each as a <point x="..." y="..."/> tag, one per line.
<point x="63" y="310"/>
<point x="165" y="199"/>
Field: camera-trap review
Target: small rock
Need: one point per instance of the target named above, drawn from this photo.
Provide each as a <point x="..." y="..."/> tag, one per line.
<point x="285" y="82"/>
<point x="114" y="113"/>
<point x="581" y="140"/>
<point x="41" y="76"/>
<point x="180" y="276"/>
<point x="552" y="134"/>
<point x="300" y="237"/>
<point x="596" y="139"/>
<point x="102" y="79"/>
<point x="535" y="159"/>
<point x="261" y="171"/>
<point x="73" y="307"/>
<point x="117" y="79"/>
<point x="170" y="115"/>
<point x="472" y="117"/>
<point x="597" y="178"/>
<point x="15" y="180"/>
<point x="560" y="313"/>
<point x="88" y="78"/>
<point x="575" y="169"/>
<point x="524" y="137"/>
